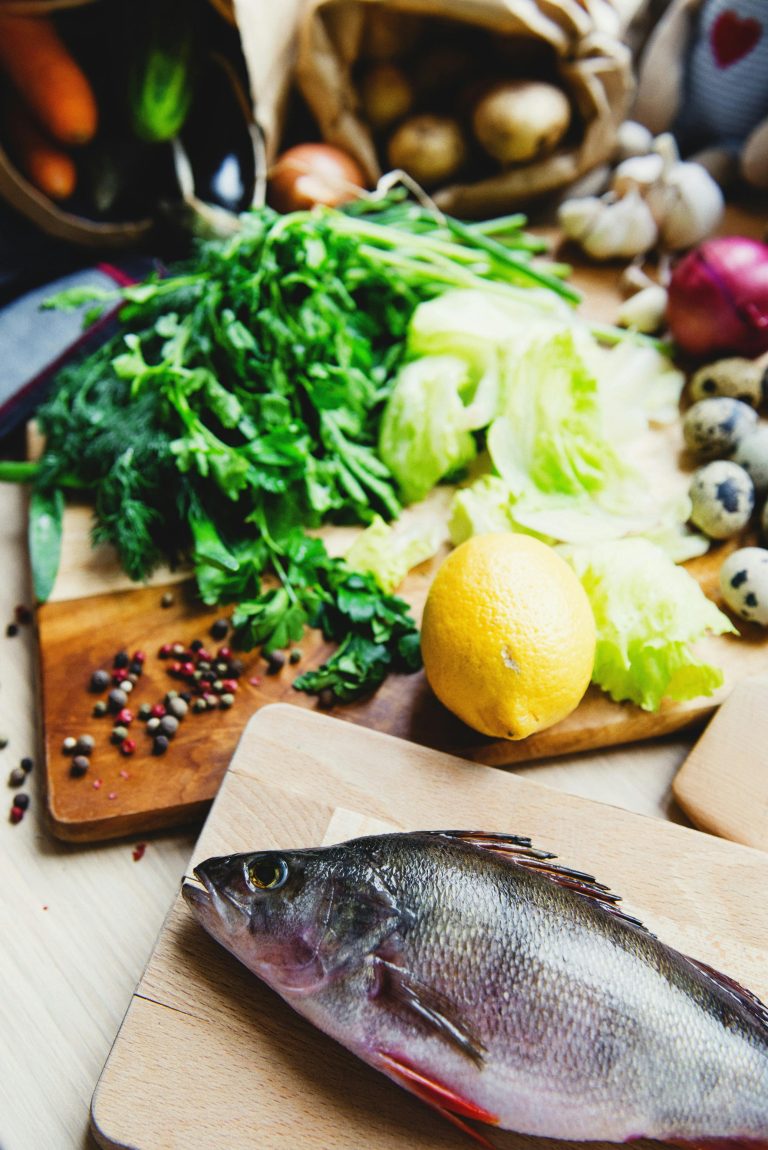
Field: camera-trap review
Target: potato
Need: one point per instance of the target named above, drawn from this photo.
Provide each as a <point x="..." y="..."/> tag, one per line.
<point x="386" y="95"/>
<point x="520" y="120"/>
<point x="432" y="149"/>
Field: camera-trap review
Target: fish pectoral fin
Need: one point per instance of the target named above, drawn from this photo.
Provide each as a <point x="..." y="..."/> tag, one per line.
<point x="351" y="930"/>
<point x="518" y="850"/>
<point x="436" y="1011"/>
<point x="440" y="1097"/>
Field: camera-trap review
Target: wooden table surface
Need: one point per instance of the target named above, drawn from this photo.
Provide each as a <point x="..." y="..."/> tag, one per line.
<point x="77" y="924"/>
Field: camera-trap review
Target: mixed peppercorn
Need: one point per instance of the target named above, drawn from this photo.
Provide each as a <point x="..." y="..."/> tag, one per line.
<point x="208" y="681"/>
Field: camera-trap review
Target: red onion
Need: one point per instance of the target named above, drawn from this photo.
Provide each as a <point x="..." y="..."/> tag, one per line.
<point x="718" y="298"/>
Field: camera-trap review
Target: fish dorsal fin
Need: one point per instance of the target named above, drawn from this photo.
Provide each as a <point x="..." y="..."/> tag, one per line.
<point x="749" y="1001"/>
<point x="519" y="850"/>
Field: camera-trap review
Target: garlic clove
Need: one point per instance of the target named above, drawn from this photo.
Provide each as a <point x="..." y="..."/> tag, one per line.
<point x="687" y="205"/>
<point x="576" y="216"/>
<point x="638" y="173"/>
<point x="625" y="228"/>
<point x="645" y="310"/>
<point x="632" y="139"/>
<point x="633" y="279"/>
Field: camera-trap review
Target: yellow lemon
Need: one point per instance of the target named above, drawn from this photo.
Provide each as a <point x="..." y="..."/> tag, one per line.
<point x="508" y="635"/>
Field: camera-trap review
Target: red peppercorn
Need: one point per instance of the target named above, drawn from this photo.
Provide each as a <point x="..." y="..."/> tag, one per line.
<point x="128" y="746"/>
<point x="229" y="685"/>
<point x="203" y="655"/>
<point x="224" y="653"/>
<point x="125" y="717"/>
<point x="164" y="651"/>
<point x="157" y="710"/>
<point x="119" y="675"/>
<point x="139" y="657"/>
<point x="187" y="670"/>
<point x="175" y="669"/>
<point x="17" y="814"/>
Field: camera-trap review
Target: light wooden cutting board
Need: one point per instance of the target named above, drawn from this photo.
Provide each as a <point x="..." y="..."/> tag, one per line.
<point x="208" y="1058"/>
<point x="723" y="784"/>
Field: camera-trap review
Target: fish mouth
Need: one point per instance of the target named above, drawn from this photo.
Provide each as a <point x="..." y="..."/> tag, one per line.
<point x="194" y="891"/>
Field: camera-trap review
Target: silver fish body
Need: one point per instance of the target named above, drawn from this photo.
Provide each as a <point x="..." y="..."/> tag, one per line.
<point x="497" y="985"/>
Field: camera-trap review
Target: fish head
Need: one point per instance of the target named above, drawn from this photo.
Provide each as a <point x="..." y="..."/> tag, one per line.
<point x="269" y="909"/>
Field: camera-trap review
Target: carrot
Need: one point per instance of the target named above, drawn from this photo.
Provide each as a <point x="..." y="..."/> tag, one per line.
<point x="48" y="78"/>
<point x="49" y="168"/>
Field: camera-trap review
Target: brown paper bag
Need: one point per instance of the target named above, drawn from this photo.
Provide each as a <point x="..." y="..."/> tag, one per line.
<point x="591" y="62"/>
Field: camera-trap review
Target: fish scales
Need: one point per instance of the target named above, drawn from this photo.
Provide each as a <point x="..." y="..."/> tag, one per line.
<point x="457" y="969"/>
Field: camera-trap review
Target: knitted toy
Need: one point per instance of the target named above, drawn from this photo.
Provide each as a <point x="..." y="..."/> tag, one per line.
<point x="704" y="76"/>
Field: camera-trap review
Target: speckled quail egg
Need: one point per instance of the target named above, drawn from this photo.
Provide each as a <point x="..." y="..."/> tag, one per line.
<point x="744" y="583"/>
<point x="713" y="427"/>
<point x="752" y="454"/>
<point x="722" y="498"/>
<point x="745" y="379"/>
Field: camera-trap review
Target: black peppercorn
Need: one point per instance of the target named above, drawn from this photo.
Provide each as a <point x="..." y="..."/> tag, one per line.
<point x="99" y="681"/>
<point x="220" y="629"/>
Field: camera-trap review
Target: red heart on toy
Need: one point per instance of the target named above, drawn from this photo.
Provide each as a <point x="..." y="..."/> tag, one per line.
<point x="733" y="37"/>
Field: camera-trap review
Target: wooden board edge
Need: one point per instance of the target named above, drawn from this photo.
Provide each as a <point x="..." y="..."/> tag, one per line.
<point x="270" y="715"/>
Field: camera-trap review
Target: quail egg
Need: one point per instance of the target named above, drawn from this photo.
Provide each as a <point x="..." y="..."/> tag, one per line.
<point x="745" y="379"/>
<point x="744" y="583"/>
<point x="752" y="454"/>
<point x="714" y="427"/>
<point x="722" y="498"/>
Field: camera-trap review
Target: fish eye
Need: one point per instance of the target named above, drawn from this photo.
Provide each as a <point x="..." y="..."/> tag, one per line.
<point x="267" y="872"/>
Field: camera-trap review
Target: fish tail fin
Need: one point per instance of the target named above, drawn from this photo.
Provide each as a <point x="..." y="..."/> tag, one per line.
<point x="441" y="1098"/>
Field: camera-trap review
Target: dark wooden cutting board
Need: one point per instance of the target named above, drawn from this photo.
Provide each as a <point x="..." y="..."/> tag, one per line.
<point x="94" y="611"/>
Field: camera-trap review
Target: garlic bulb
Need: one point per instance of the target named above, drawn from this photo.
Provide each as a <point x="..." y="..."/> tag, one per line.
<point x="638" y="172"/>
<point x="687" y="205"/>
<point x="624" y="228"/>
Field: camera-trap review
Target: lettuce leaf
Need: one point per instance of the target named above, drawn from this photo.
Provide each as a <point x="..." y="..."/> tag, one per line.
<point x="551" y="433"/>
<point x="388" y="553"/>
<point x="424" y="433"/>
<point x="648" y="611"/>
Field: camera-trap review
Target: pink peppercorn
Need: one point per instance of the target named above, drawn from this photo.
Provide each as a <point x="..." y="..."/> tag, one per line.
<point x="139" y="657"/>
<point x="187" y="670"/>
<point x="164" y="651"/>
<point x="229" y="685"/>
<point x="128" y="746"/>
<point x="119" y="675"/>
<point x="96" y="784"/>
<point x="125" y="717"/>
<point x="157" y="710"/>
<point x="203" y="655"/>
<point x="224" y="653"/>
<point x="17" y="814"/>
<point x="175" y="669"/>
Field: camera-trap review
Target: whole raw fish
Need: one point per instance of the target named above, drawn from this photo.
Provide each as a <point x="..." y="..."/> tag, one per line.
<point x="498" y="986"/>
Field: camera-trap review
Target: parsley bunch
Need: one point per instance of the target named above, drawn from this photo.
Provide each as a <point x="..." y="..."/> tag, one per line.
<point x="237" y="407"/>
